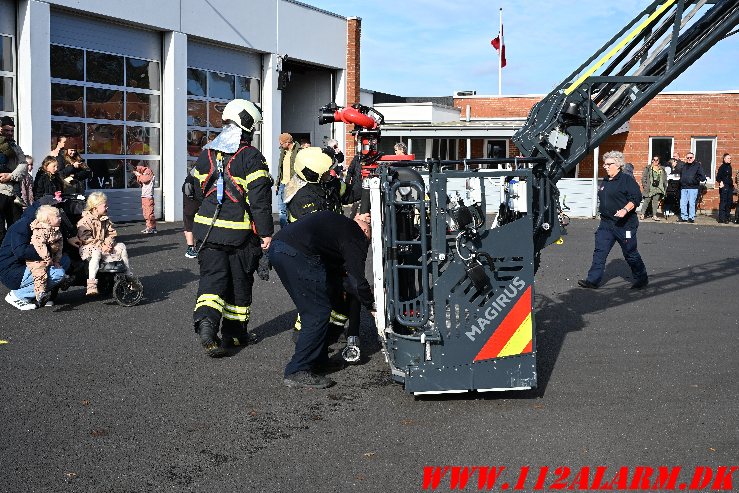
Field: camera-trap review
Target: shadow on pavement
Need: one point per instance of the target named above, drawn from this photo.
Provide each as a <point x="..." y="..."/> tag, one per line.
<point x="557" y="317"/>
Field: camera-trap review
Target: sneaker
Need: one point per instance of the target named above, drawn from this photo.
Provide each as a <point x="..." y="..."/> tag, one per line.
<point x="584" y="283"/>
<point x="149" y="231"/>
<point x="681" y="220"/>
<point x="191" y="252"/>
<point x="19" y="303"/>
<point x="307" y="379"/>
<point x="691" y="221"/>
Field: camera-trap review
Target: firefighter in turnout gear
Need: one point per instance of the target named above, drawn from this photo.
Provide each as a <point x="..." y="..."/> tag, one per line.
<point x="315" y="188"/>
<point x="234" y="224"/>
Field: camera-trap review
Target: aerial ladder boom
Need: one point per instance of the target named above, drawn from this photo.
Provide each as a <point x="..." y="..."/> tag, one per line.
<point x="456" y="244"/>
<point x="609" y="88"/>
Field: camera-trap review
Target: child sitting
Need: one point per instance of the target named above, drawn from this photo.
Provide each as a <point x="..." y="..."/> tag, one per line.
<point x="97" y="236"/>
<point x="46" y="238"/>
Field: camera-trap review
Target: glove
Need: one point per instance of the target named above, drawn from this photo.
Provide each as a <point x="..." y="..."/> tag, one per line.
<point x="263" y="268"/>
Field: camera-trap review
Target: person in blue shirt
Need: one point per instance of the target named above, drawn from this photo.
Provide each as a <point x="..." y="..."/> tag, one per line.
<point x="16" y="250"/>
<point x="619" y="196"/>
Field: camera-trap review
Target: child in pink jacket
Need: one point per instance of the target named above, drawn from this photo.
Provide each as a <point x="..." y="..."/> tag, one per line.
<point x="46" y="238"/>
<point x="145" y="178"/>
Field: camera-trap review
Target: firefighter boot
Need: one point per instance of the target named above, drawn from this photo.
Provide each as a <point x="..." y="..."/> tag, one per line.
<point x="208" y="334"/>
<point x="235" y="334"/>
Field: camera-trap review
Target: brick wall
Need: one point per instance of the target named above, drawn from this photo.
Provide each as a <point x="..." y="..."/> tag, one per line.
<point x="354" y="33"/>
<point x="680" y="116"/>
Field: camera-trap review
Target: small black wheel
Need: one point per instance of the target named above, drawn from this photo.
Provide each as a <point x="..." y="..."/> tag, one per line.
<point x="128" y="291"/>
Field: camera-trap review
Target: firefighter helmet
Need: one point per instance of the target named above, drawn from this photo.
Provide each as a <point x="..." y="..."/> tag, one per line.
<point x="311" y="163"/>
<point x="243" y="113"/>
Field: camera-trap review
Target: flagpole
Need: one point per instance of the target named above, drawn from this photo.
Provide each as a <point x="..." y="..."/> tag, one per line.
<point x="500" y="55"/>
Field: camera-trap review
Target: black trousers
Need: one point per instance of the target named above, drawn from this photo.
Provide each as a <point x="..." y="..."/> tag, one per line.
<point x="726" y="196"/>
<point x="306" y="281"/>
<point x="225" y="286"/>
<point x="9" y="213"/>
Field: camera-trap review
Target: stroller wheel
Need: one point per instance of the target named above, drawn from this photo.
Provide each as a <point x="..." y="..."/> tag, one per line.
<point x="128" y="291"/>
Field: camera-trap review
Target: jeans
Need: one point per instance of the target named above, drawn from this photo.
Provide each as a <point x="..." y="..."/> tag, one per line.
<point x="25" y="291"/>
<point x="688" y="198"/>
<point x="281" y="205"/>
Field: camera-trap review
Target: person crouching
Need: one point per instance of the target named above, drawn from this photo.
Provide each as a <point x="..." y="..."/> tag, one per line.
<point x="47" y="239"/>
<point x="97" y="234"/>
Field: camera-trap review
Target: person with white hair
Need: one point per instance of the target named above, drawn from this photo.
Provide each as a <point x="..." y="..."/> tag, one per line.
<point x="619" y="195"/>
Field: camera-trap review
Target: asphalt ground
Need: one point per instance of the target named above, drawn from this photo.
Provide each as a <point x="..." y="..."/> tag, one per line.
<point x="101" y="398"/>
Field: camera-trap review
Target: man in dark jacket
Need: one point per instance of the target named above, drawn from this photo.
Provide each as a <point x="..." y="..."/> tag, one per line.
<point x="310" y="257"/>
<point x="15" y="251"/>
<point x="691" y="177"/>
<point x="12" y="170"/>
<point x="286" y="169"/>
<point x="725" y="183"/>
<point x="619" y="196"/>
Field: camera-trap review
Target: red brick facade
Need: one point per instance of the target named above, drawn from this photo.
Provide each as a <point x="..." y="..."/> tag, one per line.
<point x="680" y="116"/>
<point x="354" y="33"/>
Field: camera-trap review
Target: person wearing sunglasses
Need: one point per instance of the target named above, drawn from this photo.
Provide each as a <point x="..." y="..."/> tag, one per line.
<point x="691" y="178"/>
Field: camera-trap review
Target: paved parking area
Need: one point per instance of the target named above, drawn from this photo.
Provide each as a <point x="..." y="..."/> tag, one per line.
<point x="97" y="397"/>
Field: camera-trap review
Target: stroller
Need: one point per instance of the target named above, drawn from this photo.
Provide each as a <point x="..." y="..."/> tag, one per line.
<point x="113" y="278"/>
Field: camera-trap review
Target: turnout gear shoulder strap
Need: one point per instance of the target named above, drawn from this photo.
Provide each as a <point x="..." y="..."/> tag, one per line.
<point x="221" y="181"/>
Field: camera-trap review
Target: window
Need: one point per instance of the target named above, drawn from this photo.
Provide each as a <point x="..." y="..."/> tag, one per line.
<point x="658" y="146"/>
<point x="704" y="149"/>
<point x="7" y="76"/>
<point x="208" y="93"/>
<point x="108" y="107"/>
<point x="496" y="148"/>
<point x="444" y="149"/>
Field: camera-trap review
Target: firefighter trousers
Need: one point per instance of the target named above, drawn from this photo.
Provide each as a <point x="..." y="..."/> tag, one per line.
<point x="305" y="279"/>
<point x="225" y="286"/>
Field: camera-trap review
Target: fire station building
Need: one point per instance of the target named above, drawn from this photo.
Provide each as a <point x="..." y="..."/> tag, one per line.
<point x="470" y="126"/>
<point x="146" y="81"/>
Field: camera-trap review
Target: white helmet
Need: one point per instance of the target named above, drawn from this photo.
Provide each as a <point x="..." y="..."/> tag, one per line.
<point x="243" y="113"/>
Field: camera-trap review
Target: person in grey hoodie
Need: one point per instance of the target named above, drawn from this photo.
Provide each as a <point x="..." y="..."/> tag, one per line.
<point x="12" y="170"/>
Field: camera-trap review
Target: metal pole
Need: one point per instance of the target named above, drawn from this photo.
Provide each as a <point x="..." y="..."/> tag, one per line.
<point x="596" y="153"/>
<point x="500" y="55"/>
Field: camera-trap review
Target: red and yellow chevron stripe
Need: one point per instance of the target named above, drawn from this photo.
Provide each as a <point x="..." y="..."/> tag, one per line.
<point x="514" y="334"/>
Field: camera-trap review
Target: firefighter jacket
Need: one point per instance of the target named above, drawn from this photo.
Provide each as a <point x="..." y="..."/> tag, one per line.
<point x="328" y="196"/>
<point x="247" y="200"/>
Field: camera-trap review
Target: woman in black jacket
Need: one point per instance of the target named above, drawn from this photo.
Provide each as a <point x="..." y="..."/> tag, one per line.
<point x="73" y="171"/>
<point x="726" y="189"/>
<point x="47" y="181"/>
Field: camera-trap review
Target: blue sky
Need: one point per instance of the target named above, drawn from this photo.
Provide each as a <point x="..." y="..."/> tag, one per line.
<point x="435" y="47"/>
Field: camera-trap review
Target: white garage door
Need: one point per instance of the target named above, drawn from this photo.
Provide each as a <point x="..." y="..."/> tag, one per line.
<point x="106" y="99"/>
